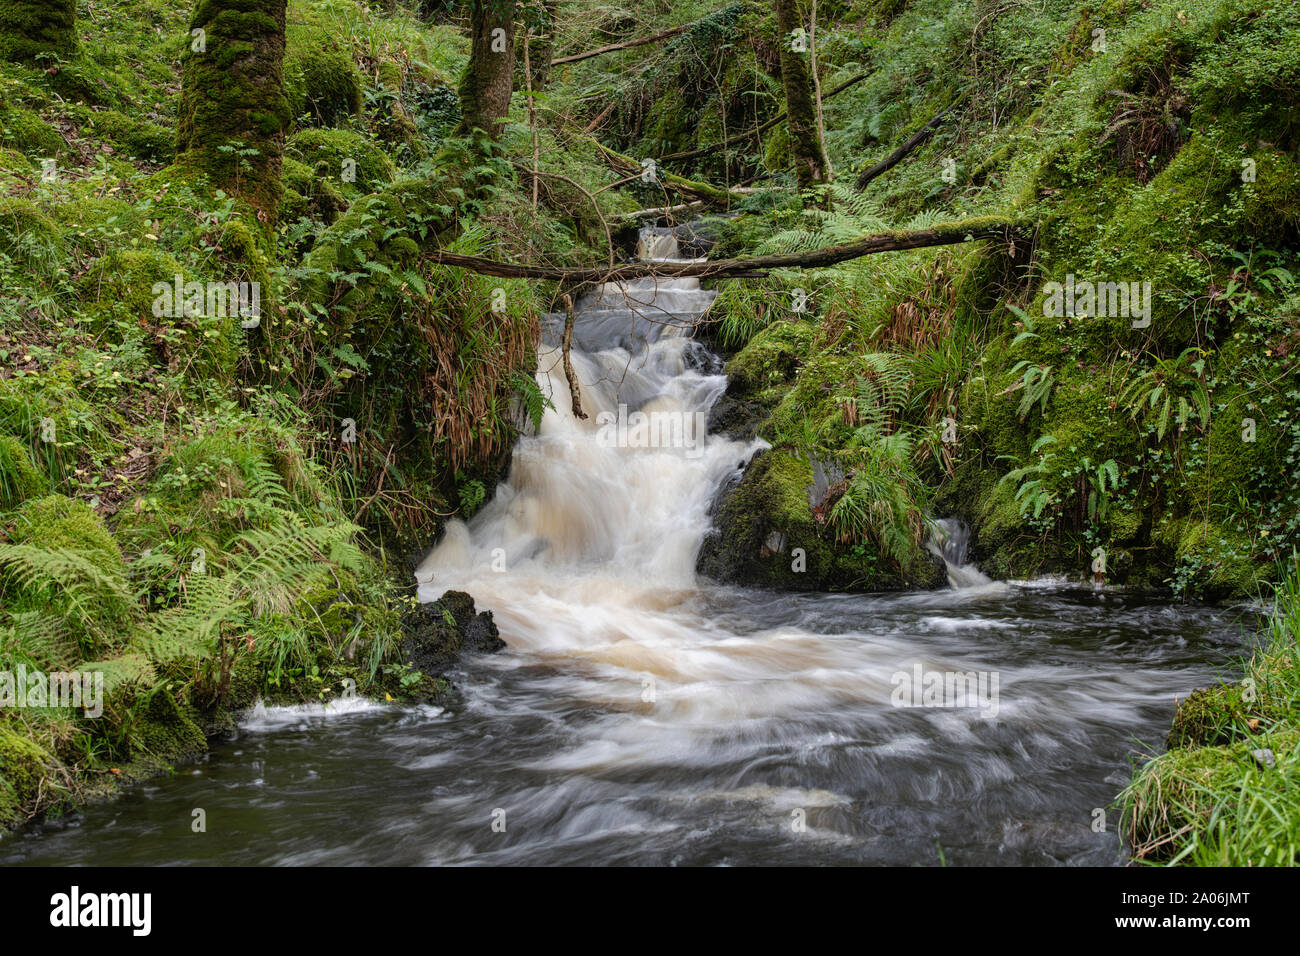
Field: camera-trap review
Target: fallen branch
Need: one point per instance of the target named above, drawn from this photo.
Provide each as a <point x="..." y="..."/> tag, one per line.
<point x="689" y="188"/>
<point x="625" y="45"/>
<point x="994" y="228"/>
<point x="894" y="158"/>
<point x="757" y="130"/>
<point x="566" y="345"/>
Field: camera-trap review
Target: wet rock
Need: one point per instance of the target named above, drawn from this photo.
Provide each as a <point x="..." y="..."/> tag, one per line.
<point x="737" y="419"/>
<point x="438" y="634"/>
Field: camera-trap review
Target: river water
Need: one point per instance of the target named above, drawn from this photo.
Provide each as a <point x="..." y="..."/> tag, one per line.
<point x="642" y="716"/>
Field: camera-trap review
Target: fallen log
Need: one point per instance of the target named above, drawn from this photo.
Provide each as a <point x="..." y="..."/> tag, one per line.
<point x="993" y="228"/>
<point x="894" y="158"/>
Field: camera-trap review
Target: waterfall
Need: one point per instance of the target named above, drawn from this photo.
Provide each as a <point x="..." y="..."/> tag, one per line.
<point x="622" y="497"/>
<point x="949" y="539"/>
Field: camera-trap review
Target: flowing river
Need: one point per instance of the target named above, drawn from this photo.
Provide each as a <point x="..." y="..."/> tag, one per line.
<point x="642" y="716"/>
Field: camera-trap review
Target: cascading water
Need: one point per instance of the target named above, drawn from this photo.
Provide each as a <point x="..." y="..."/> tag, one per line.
<point x="950" y="539"/>
<point x="642" y="716"/>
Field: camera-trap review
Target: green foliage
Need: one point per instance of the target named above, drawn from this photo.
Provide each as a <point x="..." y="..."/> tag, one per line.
<point x="1171" y="390"/>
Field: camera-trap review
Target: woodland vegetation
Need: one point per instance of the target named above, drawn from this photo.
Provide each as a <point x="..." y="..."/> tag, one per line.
<point x="209" y="510"/>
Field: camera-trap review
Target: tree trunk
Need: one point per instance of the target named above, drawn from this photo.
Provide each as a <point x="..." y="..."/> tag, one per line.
<point x="233" y="110"/>
<point x="808" y="150"/>
<point x="29" y="28"/>
<point x="489" y="77"/>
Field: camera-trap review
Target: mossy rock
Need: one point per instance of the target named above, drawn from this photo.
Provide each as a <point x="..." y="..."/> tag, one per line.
<point x="770" y="361"/>
<point x="166" y="730"/>
<point x="1233" y="464"/>
<point x="1218" y="715"/>
<point x="1222" y="561"/>
<point x="55" y="521"/>
<point x="761" y="522"/>
<point x="19" y="477"/>
<point x="135" y="285"/>
<point x="320" y="77"/>
<point x="29" y="236"/>
<point x="24" y="131"/>
<point x="35" y="28"/>
<point x="341" y="159"/>
<point x="24" y="766"/>
<point x="307" y="194"/>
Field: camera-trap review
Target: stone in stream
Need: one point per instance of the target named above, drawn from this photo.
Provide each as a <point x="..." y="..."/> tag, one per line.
<point x="439" y="633"/>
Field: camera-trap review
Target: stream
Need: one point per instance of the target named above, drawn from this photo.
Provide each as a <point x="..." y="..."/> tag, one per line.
<point x="642" y="716"/>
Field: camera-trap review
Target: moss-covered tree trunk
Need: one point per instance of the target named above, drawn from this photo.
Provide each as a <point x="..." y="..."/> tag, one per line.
<point x="807" y="148"/>
<point x="234" y="111"/>
<point x="29" y="28"/>
<point x="489" y="77"/>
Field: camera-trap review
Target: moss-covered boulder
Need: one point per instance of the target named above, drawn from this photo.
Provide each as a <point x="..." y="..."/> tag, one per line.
<point x="308" y="194"/>
<point x="438" y="634"/>
<point x="137" y="138"/>
<point x="344" y="159"/>
<point x="24" y="767"/>
<point x="34" y="28"/>
<point x="765" y="532"/>
<point x="56" y="521"/>
<point x="1211" y="716"/>
<point x="167" y="731"/>
<point x="19" y="477"/>
<point x="24" y="131"/>
<point x="320" y="77"/>
<point x="28" y="236"/>
<point x="93" y="222"/>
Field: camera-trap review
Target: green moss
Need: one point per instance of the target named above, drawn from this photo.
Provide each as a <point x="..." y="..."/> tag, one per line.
<point x="307" y="194"/>
<point x="35" y="28"/>
<point x="93" y="220"/>
<point x="1220" y="715"/>
<point x="342" y="159"/>
<point x="761" y="524"/>
<point x="166" y="730"/>
<point x="139" y="139"/>
<point x="24" y="130"/>
<point x="29" y="236"/>
<point x="55" y="521"/>
<point x="24" y="768"/>
<point x="769" y="361"/>
<point x="320" y="77"/>
<point x="19" y="477"/>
